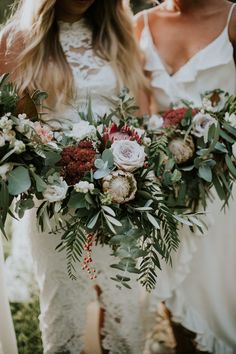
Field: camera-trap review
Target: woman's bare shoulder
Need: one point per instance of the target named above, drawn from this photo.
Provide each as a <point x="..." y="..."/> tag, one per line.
<point x="10" y="48"/>
<point x="152" y="16"/>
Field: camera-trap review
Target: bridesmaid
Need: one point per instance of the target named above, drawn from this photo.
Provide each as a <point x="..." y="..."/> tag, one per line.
<point x="190" y="48"/>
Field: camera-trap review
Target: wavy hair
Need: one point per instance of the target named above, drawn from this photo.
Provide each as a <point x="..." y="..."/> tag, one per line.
<point x="42" y="55"/>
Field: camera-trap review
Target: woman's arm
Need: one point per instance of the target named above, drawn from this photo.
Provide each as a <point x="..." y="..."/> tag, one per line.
<point x="232" y="32"/>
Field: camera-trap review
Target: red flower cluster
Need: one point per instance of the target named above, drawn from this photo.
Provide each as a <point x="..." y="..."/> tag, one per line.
<point x="116" y="133"/>
<point x="76" y="161"/>
<point x="174" y="116"/>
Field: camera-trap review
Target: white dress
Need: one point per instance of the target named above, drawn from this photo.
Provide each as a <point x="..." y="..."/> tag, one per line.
<point x="64" y="302"/>
<point x="200" y="289"/>
<point x="7" y="335"/>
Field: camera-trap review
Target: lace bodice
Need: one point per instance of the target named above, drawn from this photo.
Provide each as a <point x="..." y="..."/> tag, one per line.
<point x="93" y="76"/>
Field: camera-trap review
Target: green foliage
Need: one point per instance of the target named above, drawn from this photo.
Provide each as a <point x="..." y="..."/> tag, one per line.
<point x="25" y="318"/>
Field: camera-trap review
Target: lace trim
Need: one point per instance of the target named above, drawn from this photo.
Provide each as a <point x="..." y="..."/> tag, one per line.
<point x="76" y="42"/>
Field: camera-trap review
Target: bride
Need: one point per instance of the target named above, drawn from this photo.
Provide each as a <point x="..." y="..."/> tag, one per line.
<point x="7" y="335"/>
<point x="74" y="49"/>
<point x="190" y="48"/>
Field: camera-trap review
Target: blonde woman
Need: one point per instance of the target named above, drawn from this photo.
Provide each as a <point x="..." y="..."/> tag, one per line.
<point x="74" y="49"/>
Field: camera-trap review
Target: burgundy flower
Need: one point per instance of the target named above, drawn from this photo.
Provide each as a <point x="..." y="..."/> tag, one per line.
<point x="174" y="116"/>
<point x="76" y="161"/>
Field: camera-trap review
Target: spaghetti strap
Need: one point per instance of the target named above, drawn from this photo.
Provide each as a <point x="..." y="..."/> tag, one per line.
<point x="145" y="17"/>
<point x="230" y="14"/>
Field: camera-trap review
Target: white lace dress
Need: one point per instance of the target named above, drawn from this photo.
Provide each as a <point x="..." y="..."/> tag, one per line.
<point x="200" y="289"/>
<point x="64" y="302"/>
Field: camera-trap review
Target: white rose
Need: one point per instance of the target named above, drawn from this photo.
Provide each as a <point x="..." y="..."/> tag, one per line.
<point x="5" y="169"/>
<point x="56" y="192"/>
<point x="128" y="155"/>
<point x="201" y="125"/>
<point x="155" y="122"/>
<point x="83" y="130"/>
<point x="234" y="150"/>
<point x="84" y="187"/>
<point x="231" y="119"/>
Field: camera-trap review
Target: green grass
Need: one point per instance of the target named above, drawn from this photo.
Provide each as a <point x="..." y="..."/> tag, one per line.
<point x="25" y="318"/>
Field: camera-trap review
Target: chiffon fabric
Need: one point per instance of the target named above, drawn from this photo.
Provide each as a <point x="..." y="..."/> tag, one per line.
<point x="200" y="288"/>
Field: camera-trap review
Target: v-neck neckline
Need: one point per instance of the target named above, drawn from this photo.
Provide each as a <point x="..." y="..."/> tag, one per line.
<point x="192" y="58"/>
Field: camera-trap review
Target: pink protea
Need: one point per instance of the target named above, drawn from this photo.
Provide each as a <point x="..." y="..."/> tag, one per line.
<point x="114" y="133"/>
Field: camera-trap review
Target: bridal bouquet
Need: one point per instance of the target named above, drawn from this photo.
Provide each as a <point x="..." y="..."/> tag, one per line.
<point x="96" y="182"/>
<point x="106" y="191"/>
<point x="26" y="150"/>
<point x="201" y="144"/>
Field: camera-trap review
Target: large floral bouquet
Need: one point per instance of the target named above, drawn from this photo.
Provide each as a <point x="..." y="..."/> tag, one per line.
<point x="107" y="191"/>
<point x="95" y="182"/>
<point x="201" y="149"/>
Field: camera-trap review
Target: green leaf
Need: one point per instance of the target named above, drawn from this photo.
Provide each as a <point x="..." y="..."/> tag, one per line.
<point x="225" y="136"/>
<point x="40" y="184"/>
<point x="219" y="189"/>
<point x="221" y="147"/>
<point x="77" y="201"/>
<point x="108" y="156"/>
<point x="230" y="129"/>
<point x="93" y="221"/>
<point x="205" y="173"/>
<point x="183" y="220"/>
<point x="99" y="174"/>
<point x="99" y="163"/>
<point x="19" y="181"/>
<point x="52" y="157"/>
<point x="230" y="165"/>
<point x="113" y="220"/>
<point x="109" y="210"/>
<point x="153" y="221"/>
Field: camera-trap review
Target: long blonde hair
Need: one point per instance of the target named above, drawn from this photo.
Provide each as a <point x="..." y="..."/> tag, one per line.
<point x="42" y="55"/>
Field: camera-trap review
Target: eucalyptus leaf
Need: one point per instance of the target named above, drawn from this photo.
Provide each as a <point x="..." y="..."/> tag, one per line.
<point x="108" y="156"/>
<point x="99" y="174"/>
<point x="77" y="201"/>
<point x="205" y="173"/>
<point x="19" y="181"/>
